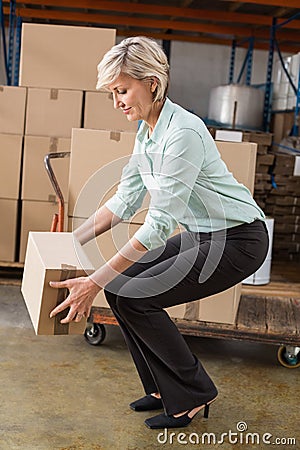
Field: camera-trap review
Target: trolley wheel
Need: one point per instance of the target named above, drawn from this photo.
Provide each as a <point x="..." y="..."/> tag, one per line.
<point x="95" y="333"/>
<point x="289" y="356"/>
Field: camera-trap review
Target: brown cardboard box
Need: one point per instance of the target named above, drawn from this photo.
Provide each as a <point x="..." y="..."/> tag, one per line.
<point x="220" y="308"/>
<point x="53" y="112"/>
<point x="97" y="160"/>
<point x="10" y="161"/>
<point x="281" y="125"/>
<point x="36" y="216"/>
<point x="8" y="226"/>
<point x="62" y="57"/>
<point x="100" y="114"/>
<point x="12" y="109"/>
<point x="36" y="182"/>
<point x="51" y="257"/>
<point x="240" y="158"/>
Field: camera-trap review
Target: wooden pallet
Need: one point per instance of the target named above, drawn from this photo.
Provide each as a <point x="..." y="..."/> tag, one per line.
<point x="11" y="273"/>
<point x="11" y="265"/>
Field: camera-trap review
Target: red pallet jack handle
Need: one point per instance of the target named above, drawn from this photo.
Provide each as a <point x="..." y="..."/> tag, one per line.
<point x="58" y="218"/>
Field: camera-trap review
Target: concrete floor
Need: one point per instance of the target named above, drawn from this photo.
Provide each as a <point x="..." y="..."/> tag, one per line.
<point x="62" y="393"/>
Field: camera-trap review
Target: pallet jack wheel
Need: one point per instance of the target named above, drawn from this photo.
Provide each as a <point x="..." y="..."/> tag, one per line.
<point x="95" y="333"/>
<point x="289" y="356"/>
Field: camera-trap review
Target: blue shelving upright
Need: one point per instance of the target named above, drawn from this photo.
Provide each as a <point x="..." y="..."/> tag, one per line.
<point x="11" y="45"/>
<point x="272" y="47"/>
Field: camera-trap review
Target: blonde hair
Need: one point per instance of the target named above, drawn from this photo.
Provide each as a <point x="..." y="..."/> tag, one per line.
<point x="139" y="57"/>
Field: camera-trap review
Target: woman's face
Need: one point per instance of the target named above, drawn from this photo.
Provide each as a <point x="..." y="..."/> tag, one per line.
<point x="133" y="97"/>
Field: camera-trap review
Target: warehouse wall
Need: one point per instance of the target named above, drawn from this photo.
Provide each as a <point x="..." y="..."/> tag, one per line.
<point x="196" y="68"/>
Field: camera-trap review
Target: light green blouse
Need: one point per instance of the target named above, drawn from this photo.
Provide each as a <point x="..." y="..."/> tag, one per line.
<point x="189" y="184"/>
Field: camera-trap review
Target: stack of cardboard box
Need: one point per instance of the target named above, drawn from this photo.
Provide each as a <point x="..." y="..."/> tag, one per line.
<point x="12" y="114"/>
<point x="97" y="160"/>
<point x="58" y="64"/>
<point x="283" y="203"/>
<point x="50" y="116"/>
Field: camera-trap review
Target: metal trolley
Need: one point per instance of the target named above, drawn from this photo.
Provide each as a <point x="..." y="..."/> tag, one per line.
<point x="268" y="319"/>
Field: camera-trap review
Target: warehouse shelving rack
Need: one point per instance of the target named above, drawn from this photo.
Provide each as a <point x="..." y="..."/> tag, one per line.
<point x="11" y="49"/>
<point x="247" y="64"/>
<point x="273" y="45"/>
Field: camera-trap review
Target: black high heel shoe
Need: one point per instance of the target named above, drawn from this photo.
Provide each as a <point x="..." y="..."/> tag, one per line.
<point x="169" y="421"/>
<point x="147" y="403"/>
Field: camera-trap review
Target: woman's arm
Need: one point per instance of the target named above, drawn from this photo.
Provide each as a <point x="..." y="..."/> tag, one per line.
<point x="102" y="220"/>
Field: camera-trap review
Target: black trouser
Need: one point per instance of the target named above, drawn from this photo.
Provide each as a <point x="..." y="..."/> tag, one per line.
<point x="191" y="266"/>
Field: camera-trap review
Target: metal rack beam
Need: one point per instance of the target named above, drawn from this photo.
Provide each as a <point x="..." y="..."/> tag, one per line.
<point x="11" y="39"/>
<point x="247" y="61"/>
<point x="148" y="22"/>
<point x="274" y="45"/>
<point x="160" y="10"/>
<point x="295" y="129"/>
<point x="268" y="89"/>
<point x="11" y="47"/>
<point x="17" y="52"/>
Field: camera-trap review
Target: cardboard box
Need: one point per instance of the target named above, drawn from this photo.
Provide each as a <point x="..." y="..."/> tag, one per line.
<point x="220" y="308"/>
<point x="36" y="216"/>
<point x="97" y="160"/>
<point x="240" y="158"/>
<point x="10" y="165"/>
<point x="62" y="57"/>
<point x="51" y="257"/>
<point x="100" y="114"/>
<point x="53" y="112"/>
<point x="8" y="228"/>
<point x="281" y="125"/>
<point x="12" y="109"/>
<point x="36" y="182"/>
<point x="229" y="135"/>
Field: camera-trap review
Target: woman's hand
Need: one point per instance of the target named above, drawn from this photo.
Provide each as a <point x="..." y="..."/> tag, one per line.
<point x="82" y="292"/>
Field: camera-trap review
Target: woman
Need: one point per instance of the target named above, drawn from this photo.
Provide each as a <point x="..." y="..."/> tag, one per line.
<point x="177" y="162"/>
